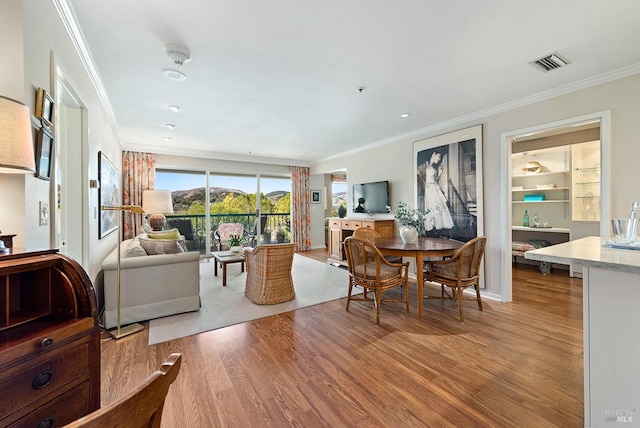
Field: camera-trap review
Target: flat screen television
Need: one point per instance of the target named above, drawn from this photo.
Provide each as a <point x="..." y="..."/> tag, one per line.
<point x="371" y="197"/>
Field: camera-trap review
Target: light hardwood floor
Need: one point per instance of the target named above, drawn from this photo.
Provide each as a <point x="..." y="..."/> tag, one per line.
<point x="512" y="365"/>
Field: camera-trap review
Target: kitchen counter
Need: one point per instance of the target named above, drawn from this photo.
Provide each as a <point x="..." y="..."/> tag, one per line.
<point x="589" y="252"/>
<point x="611" y="318"/>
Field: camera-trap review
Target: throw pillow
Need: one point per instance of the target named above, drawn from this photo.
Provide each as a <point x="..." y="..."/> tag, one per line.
<point x="161" y="246"/>
<point x="135" y="251"/>
<point x="165" y="234"/>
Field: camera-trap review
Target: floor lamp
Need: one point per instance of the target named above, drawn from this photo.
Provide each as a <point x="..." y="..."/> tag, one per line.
<point x="120" y="331"/>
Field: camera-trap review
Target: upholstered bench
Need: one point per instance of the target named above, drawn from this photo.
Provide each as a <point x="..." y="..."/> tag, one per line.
<point x="518" y="248"/>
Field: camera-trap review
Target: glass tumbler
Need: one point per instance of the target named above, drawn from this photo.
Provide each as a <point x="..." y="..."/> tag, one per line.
<point x="625" y="229"/>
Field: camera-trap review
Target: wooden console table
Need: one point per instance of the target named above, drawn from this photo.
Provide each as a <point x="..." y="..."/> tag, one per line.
<point x="342" y="228"/>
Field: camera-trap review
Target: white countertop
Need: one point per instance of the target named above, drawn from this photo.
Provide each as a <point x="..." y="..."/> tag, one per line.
<point x="589" y="252"/>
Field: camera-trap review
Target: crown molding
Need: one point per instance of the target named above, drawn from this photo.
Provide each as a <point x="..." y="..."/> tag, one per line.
<point x="70" y="23"/>
<point x="206" y="154"/>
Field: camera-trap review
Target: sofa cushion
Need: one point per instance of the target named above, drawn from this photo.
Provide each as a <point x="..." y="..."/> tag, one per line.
<point x="161" y="246"/>
<point x="165" y="234"/>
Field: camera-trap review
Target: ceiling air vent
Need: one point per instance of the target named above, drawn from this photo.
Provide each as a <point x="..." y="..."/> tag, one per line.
<point x="550" y="62"/>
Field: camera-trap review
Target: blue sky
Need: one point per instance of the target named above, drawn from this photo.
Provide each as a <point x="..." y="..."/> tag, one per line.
<point x="177" y="181"/>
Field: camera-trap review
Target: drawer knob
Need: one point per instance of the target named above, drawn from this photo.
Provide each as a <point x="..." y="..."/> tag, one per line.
<point x="46" y="423"/>
<point x="43" y="379"/>
<point x="46" y="342"/>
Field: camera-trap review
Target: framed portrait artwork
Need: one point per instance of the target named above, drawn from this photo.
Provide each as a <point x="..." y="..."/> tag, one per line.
<point x="44" y="151"/>
<point x="44" y="107"/>
<point x="448" y="174"/>
<point x="315" y="197"/>
<point x="108" y="195"/>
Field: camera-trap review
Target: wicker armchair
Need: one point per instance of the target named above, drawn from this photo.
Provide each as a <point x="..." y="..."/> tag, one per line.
<point x="269" y="278"/>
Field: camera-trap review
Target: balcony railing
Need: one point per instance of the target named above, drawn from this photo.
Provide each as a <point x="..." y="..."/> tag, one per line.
<point x="275" y="228"/>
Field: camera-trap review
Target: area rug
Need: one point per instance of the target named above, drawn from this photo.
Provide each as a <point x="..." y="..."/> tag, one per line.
<point x="315" y="282"/>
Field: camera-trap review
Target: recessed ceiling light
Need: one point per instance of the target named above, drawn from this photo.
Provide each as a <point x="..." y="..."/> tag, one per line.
<point x="167" y="139"/>
<point x="405" y="115"/>
<point x="175" y="108"/>
<point x="170" y="126"/>
<point x="175" y="75"/>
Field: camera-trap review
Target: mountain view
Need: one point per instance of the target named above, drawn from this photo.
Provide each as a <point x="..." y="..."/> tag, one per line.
<point x="228" y="200"/>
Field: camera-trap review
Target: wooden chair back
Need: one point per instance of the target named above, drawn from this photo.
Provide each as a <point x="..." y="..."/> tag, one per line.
<point x="366" y="233"/>
<point x="142" y="407"/>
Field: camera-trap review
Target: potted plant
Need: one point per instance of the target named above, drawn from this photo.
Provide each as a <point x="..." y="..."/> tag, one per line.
<point x="411" y="222"/>
<point x="235" y="242"/>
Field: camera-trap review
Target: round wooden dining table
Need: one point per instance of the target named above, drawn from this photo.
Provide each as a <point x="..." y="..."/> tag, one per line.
<point x="424" y="247"/>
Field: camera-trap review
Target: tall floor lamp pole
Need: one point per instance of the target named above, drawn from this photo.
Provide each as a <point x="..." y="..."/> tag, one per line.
<point x="131" y="328"/>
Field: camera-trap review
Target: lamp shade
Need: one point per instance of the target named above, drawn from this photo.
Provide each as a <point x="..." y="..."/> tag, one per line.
<point x="16" y="138"/>
<point x="157" y="202"/>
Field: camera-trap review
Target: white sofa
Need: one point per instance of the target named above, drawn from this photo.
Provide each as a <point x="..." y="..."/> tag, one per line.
<point x="151" y="286"/>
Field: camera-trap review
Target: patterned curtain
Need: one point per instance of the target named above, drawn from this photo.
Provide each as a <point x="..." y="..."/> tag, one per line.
<point x="138" y="174"/>
<point x="300" y="217"/>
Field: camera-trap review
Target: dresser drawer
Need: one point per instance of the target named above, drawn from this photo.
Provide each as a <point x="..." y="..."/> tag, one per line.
<point x="335" y="224"/>
<point x="40" y="376"/>
<point x="65" y="409"/>
<point x="350" y="224"/>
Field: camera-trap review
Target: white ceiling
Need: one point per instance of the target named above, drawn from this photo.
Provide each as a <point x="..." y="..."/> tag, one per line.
<point x="279" y="79"/>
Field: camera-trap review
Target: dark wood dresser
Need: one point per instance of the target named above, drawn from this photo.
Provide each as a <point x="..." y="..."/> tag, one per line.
<point x="49" y="341"/>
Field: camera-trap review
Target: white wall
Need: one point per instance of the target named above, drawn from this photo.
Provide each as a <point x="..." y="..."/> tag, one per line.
<point x="12" y="186"/>
<point x="43" y="35"/>
<point x="394" y="161"/>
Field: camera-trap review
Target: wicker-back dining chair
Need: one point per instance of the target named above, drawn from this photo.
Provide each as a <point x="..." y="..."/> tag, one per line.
<point x="459" y="272"/>
<point x="269" y="279"/>
<point x="370" y="270"/>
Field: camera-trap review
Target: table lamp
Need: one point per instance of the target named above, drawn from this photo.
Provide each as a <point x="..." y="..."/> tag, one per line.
<point x="157" y="203"/>
<point x="16" y="138"/>
<point x="131" y="328"/>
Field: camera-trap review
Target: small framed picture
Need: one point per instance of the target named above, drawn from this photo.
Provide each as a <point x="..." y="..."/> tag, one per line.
<point x="44" y="107"/>
<point x="44" y="151"/>
<point x="315" y="197"/>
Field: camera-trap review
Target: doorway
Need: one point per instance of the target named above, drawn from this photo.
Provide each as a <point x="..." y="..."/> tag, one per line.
<point x="601" y="119"/>
<point x="69" y="184"/>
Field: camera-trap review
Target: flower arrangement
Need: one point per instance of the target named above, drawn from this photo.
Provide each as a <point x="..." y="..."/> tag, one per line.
<point x="410" y="217"/>
<point x="235" y="240"/>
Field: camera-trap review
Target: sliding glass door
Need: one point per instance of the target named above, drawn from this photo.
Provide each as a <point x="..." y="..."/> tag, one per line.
<point x="202" y="200"/>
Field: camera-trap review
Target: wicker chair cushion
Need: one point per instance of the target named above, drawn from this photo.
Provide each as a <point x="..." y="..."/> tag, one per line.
<point x="386" y="272"/>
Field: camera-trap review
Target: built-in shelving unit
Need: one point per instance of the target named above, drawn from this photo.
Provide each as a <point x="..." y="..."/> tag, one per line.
<point x="549" y="185"/>
<point x="565" y="183"/>
<point x="585" y="176"/>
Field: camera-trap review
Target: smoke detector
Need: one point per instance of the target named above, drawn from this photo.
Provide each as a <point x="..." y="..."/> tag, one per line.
<point x="179" y="54"/>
